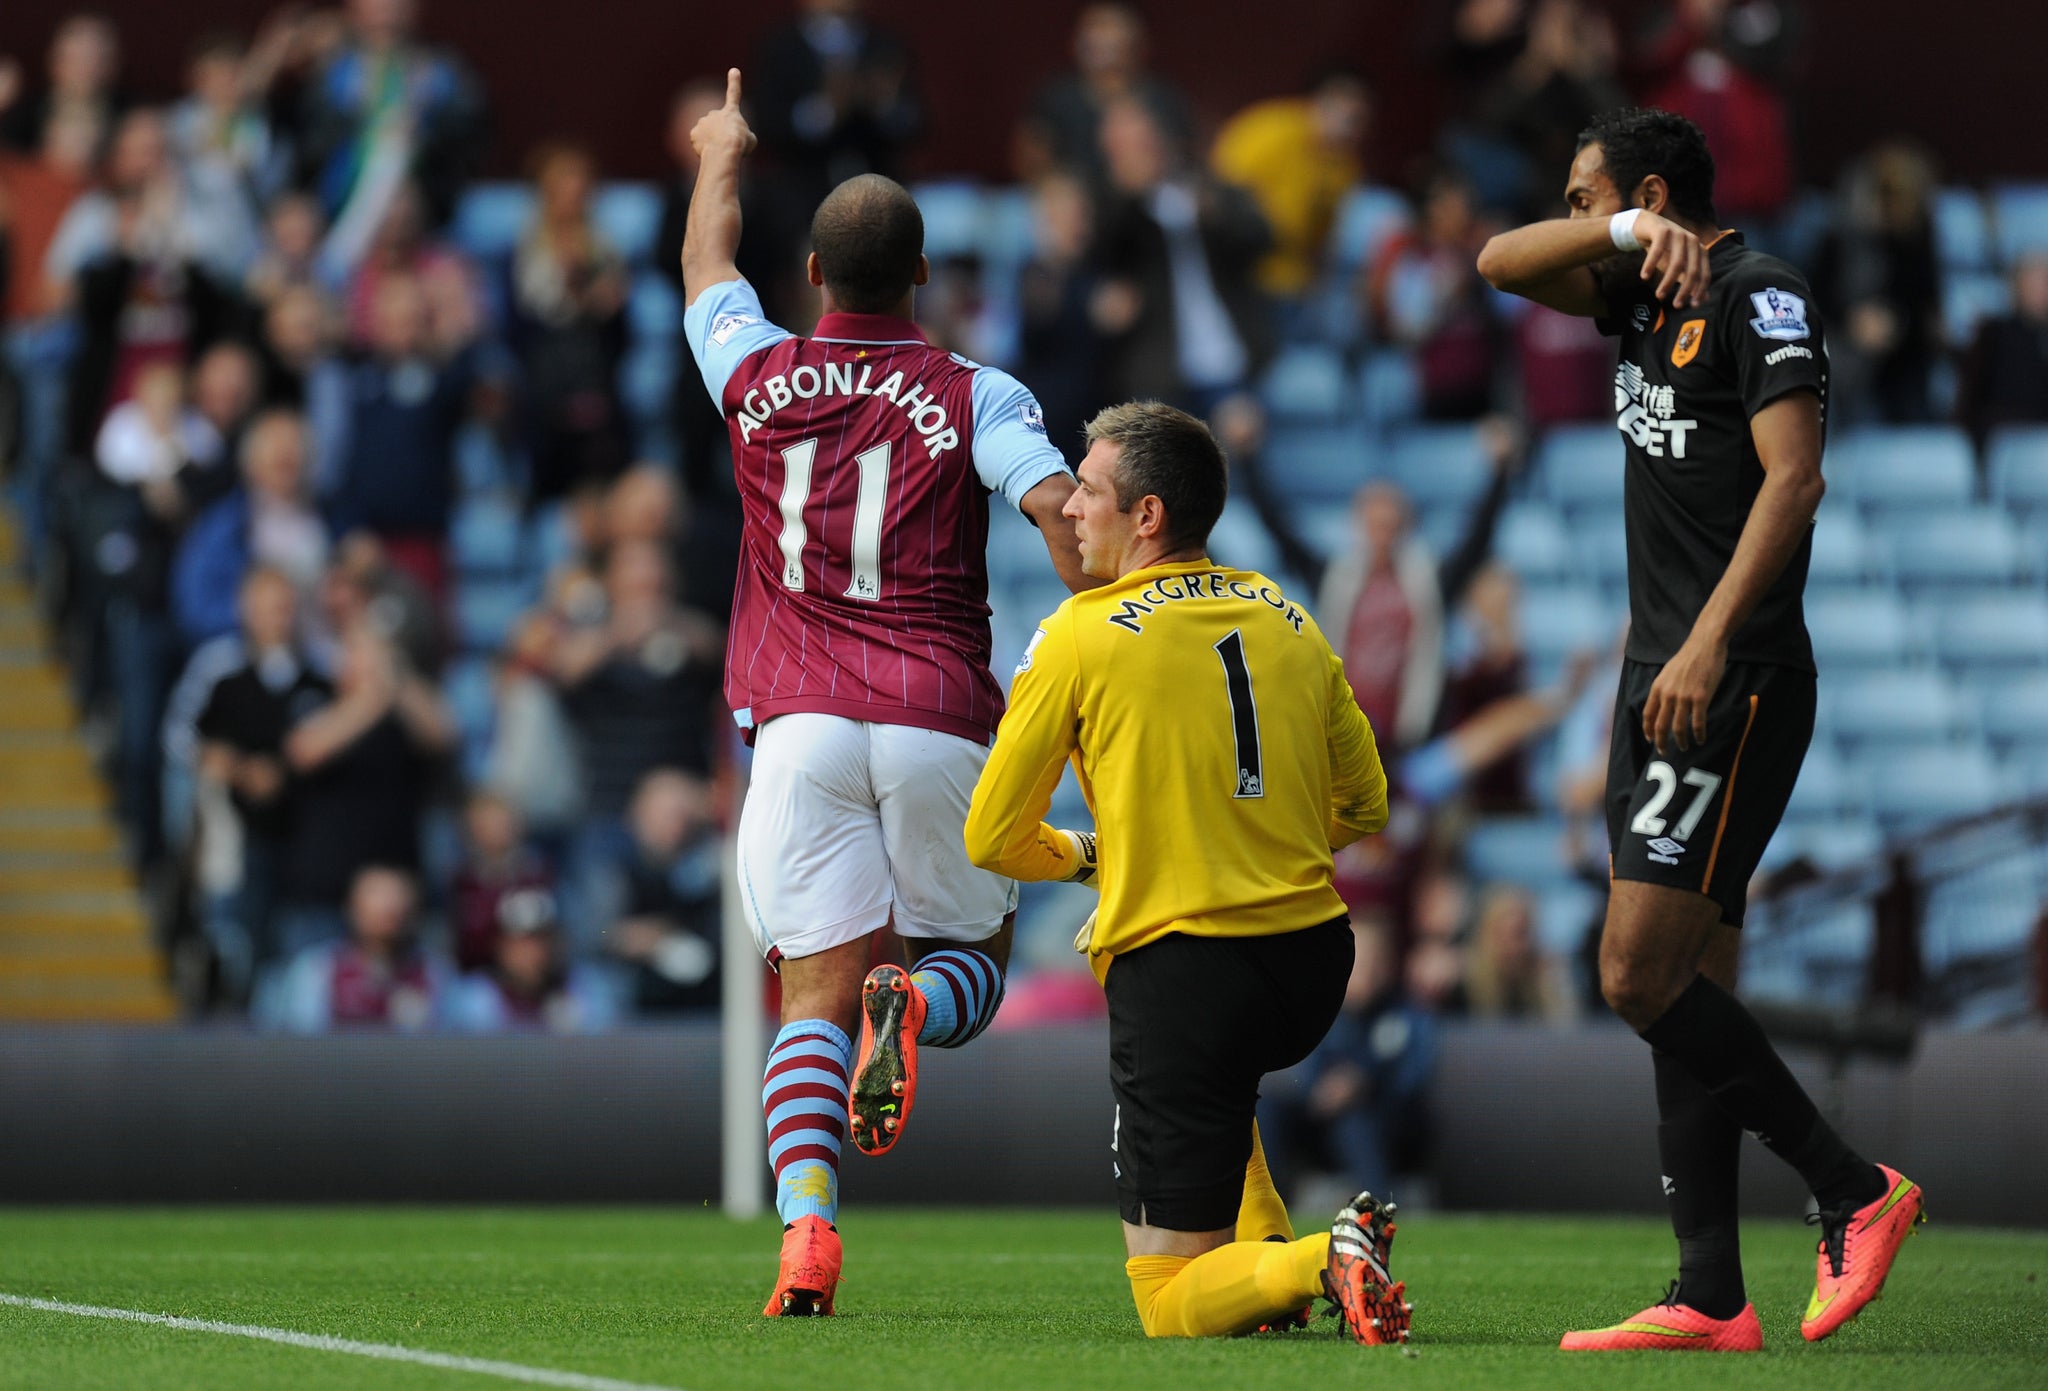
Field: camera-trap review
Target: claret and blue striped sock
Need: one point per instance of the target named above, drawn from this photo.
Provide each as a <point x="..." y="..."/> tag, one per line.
<point x="804" y="1095"/>
<point x="962" y="989"/>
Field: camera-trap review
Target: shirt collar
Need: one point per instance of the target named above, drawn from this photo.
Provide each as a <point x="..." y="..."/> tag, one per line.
<point x="867" y="328"/>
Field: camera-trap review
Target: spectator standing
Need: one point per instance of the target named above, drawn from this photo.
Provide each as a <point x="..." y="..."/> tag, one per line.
<point x="1360" y="1100"/>
<point x="242" y="773"/>
<point x="220" y="131"/>
<point x="290" y="259"/>
<point x="363" y="763"/>
<point x="1486" y="664"/>
<point x="1877" y="276"/>
<point x="384" y="109"/>
<point x="664" y="912"/>
<point x="1423" y="294"/>
<point x="1177" y="250"/>
<point x="834" y="97"/>
<point x="1063" y="129"/>
<point x="2005" y="377"/>
<point x="1507" y="976"/>
<point x="498" y="866"/>
<point x="1060" y="339"/>
<point x="1720" y="63"/>
<point x="83" y="72"/>
<point x="1528" y="118"/>
<point x="377" y="978"/>
<point x="531" y="985"/>
<point x="568" y="302"/>
<point x="1298" y="156"/>
<point x="399" y="247"/>
<point x="269" y="521"/>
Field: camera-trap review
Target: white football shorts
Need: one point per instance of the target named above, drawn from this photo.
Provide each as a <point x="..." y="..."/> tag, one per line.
<point x="848" y="823"/>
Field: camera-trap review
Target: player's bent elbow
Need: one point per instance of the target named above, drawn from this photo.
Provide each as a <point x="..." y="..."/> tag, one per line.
<point x="1496" y="265"/>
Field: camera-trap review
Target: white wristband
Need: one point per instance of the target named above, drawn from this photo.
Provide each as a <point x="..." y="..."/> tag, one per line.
<point x="1621" y="230"/>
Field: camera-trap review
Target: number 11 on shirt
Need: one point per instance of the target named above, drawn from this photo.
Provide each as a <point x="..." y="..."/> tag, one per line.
<point x="866" y="549"/>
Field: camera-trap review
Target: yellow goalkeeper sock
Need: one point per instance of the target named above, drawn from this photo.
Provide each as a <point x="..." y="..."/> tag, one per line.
<point x="1261" y="1216"/>
<point x="1232" y="1289"/>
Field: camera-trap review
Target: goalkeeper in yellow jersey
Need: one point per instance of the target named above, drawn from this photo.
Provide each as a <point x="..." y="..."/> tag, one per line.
<point x="1220" y="749"/>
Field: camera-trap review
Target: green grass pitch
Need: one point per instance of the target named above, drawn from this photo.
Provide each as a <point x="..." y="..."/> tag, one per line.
<point x="980" y="1300"/>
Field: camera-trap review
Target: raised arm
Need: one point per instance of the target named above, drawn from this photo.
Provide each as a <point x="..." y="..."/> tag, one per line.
<point x="711" y="238"/>
<point x="1552" y="262"/>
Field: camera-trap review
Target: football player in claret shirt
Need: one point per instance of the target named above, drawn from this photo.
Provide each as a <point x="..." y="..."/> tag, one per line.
<point x="858" y="665"/>
<point x="1221" y="751"/>
<point x="1721" y="397"/>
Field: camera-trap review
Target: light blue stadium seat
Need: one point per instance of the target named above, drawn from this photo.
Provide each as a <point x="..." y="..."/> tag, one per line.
<point x="1946" y="550"/>
<point x="2018" y="465"/>
<point x="486" y="610"/>
<point x="1970" y="296"/>
<point x="472" y="699"/>
<point x="1845" y="552"/>
<point x="1240" y="539"/>
<point x="1517" y="850"/>
<point x="1599" y="540"/>
<point x="655" y="309"/>
<point x="490" y="219"/>
<point x="1533" y="542"/>
<point x="647" y="377"/>
<point x="481" y="465"/>
<point x="1908" y="468"/>
<point x="487" y="536"/>
<point x="1322" y="464"/>
<point x="1831" y="843"/>
<point x="1923" y="787"/>
<point x="1367" y="217"/>
<point x="1559" y="620"/>
<point x="1828" y="787"/>
<point x="1565" y="911"/>
<point x="1307" y="383"/>
<point x="1982" y="631"/>
<point x="2020" y="212"/>
<point x="1016" y="550"/>
<point x="629" y="217"/>
<point x="1439" y="464"/>
<point x="1859" y="630"/>
<point x="952" y="219"/>
<point x="1895" y="709"/>
<point x="1962" y="231"/>
<point x="2014" y="711"/>
<point x="1580" y="466"/>
<point x="1009" y="228"/>
<point x="1325" y="528"/>
<point x="1390" y="388"/>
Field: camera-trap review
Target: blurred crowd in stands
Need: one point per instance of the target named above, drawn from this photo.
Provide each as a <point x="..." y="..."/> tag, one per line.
<point x="389" y="534"/>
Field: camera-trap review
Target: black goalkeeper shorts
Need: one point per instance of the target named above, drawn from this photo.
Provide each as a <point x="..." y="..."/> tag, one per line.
<point x="1699" y="818"/>
<point x="1194" y="1024"/>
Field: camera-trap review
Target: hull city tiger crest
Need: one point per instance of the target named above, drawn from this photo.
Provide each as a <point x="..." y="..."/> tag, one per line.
<point x="1688" y="345"/>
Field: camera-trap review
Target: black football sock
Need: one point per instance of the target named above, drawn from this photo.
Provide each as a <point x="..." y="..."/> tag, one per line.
<point x="1701" y="1148"/>
<point x="1721" y="1044"/>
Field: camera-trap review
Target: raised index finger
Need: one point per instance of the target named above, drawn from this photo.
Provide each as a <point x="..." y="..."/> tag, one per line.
<point x="732" y="89"/>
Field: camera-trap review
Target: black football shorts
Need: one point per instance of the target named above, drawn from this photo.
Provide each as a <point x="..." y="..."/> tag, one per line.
<point x="1699" y="818"/>
<point x="1194" y="1024"/>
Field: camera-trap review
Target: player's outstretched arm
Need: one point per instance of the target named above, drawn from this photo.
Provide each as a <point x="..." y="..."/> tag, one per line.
<point x="1788" y="439"/>
<point x="1552" y="262"/>
<point x="711" y="237"/>
<point x="1045" y="505"/>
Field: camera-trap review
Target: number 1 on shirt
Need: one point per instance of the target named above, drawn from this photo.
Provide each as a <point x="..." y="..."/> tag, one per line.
<point x="1244" y="716"/>
<point x="867" y="517"/>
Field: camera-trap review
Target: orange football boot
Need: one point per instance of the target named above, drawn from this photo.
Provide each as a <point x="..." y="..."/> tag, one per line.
<point x="1669" y="1327"/>
<point x="1357" y="1279"/>
<point x="885" y="1076"/>
<point x="1856" y="1253"/>
<point x="810" y="1270"/>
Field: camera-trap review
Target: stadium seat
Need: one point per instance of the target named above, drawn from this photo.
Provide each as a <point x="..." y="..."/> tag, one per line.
<point x="1895" y="709"/>
<point x="1016" y="550"/>
<point x="1599" y="540"/>
<point x="1926" y="786"/>
<point x="655" y="310"/>
<point x="1439" y="463"/>
<point x="1581" y="466"/>
<point x="1991" y="630"/>
<point x="486" y="610"/>
<point x="1946" y="550"/>
<point x="1240" y="539"/>
<point x="1845" y="553"/>
<point x="472" y="699"/>
<point x="1532" y="541"/>
<point x="1324" y="528"/>
<point x="2020" y="212"/>
<point x="1366" y="219"/>
<point x="1831" y="843"/>
<point x="490" y="218"/>
<point x="647" y="379"/>
<point x="1559" y="620"/>
<point x="1908" y="468"/>
<point x="2017" y="461"/>
<point x="1962" y="232"/>
<point x="1009" y="227"/>
<point x="486" y="536"/>
<point x="1320" y="464"/>
<point x="1565" y="912"/>
<point x="1852" y="630"/>
<point x="629" y="217"/>
<point x="1827" y="787"/>
<point x="2015" y="712"/>
<point x="952" y="219"/>
<point x="1526" y="850"/>
<point x="1307" y="383"/>
<point x="1389" y="388"/>
<point x="1967" y="297"/>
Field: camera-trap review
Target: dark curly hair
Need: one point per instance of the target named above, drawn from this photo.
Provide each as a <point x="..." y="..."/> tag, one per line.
<point x="1638" y="141"/>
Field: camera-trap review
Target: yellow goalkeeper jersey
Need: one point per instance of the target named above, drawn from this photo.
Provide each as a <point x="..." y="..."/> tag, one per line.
<point x="1217" y="743"/>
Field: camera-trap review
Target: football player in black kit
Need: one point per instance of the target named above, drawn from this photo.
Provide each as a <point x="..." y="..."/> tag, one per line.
<point x="1721" y="399"/>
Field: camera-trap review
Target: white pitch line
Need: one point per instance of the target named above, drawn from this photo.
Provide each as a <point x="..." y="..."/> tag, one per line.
<point x="388" y="1352"/>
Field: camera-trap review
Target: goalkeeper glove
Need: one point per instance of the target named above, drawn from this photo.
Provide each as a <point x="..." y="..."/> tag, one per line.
<point x="1080" y="845"/>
